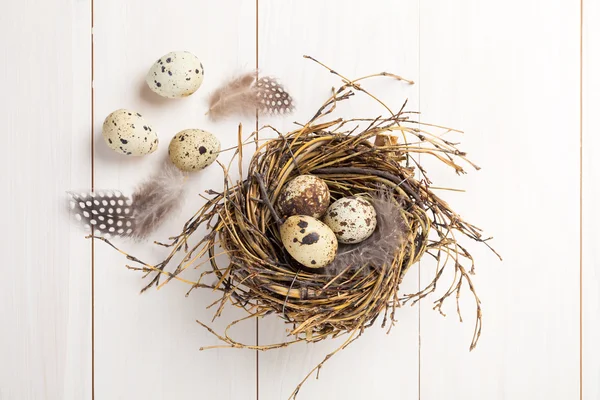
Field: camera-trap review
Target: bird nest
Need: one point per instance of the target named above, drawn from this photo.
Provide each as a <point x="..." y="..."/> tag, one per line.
<point x="260" y="276"/>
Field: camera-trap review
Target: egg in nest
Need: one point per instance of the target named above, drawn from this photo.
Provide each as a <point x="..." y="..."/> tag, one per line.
<point x="308" y="241"/>
<point x="304" y="195"/>
<point x="352" y="219"/>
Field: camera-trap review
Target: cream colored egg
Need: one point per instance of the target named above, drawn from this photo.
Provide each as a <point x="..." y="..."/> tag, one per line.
<point x="176" y="74"/>
<point x="194" y="149"/>
<point x="127" y="132"/>
<point x="304" y="195"/>
<point x="308" y="241"/>
<point x="352" y="219"/>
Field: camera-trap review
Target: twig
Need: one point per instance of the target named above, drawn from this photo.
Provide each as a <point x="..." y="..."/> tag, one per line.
<point x="265" y="198"/>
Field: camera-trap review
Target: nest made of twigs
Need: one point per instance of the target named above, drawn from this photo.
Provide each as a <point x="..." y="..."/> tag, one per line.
<point x="262" y="278"/>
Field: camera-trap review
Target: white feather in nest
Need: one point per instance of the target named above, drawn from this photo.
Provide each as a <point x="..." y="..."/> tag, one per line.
<point x="378" y="249"/>
<point x="246" y="94"/>
<point x="111" y="213"/>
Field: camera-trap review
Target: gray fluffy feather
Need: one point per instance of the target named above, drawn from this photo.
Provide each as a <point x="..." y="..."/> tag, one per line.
<point x="378" y="249"/>
<point x="113" y="214"/>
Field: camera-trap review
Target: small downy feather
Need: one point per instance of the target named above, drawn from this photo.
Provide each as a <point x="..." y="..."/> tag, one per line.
<point x="245" y="94"/>
<point x="111" y="213"/>
<point x="380" y="248"/>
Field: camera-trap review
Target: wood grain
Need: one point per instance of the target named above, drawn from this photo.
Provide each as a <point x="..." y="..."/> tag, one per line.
<point x="354" y="38"/>
<point x="508" y="75"/>
<point x="45" y="338"/>
<point x="147" y="345"/>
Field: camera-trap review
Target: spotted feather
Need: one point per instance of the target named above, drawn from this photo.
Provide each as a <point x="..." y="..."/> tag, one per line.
<point x="111" y="213"/>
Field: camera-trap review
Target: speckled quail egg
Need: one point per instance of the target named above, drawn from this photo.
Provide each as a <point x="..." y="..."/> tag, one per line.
<point x="352" y="219"/>
<point x="304" y="195"/>
<point x="308" y="241"/>
<point x="194" y="149"/>
<point x="176" y="74"/>
<point x="127" y="132"/>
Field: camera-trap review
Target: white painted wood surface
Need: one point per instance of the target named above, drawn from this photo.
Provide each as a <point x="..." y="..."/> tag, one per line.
<point x="146" y="346"/>
<point x="506" y="73"/>
<point x="515" y="92"/>
<point x="45" y="290"/>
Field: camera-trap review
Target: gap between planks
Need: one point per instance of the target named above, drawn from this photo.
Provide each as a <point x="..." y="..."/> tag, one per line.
<point x="92" y="150"/>
<point x="581" y="200"/>
<point x="419" y="174"/>
<point x="257" y="318"/>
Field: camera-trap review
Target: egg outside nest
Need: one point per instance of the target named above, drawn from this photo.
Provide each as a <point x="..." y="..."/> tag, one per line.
<point x="127" y="132"/>
<point x="194" y="149"/>
<point x="176" y="74"/>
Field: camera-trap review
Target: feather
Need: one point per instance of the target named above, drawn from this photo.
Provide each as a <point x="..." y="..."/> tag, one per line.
<point x="246" y="94"/>
<point x="111" y="213"/>
<point x="380" y="248"/>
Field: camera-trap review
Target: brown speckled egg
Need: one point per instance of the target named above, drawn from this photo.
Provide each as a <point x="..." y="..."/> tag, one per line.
<point x="194" y="149"/>
<point x="304" y="195"/>
<point x="352" y="219"/>
<point x="309" y="241"/>
<point x="126" y="132"/>
<point x="176" y="74"/>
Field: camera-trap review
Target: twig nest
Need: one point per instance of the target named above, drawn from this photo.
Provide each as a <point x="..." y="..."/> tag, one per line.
<point x="304" y="195"/>
<point x="126" y="132"/>
<point x="352" y="219"/>
<point x="276" y="267"/>
<point x="176" y="74"/>
<point x="194" y="149"/>
<point x="309" y="241"/>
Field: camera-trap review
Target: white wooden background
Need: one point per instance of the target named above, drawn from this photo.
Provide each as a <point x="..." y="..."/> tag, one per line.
<point x="519" y="77"/>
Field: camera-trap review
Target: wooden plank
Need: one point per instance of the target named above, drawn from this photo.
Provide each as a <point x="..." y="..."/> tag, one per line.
<point x="508" y="74"/>
<point x="45" y="340"/>
<point x="590" y="197"/>
<point x="355" y="38"/>
<point x="147" y="346"/>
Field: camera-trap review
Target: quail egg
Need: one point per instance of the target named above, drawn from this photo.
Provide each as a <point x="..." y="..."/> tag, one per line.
<point x="352" y="219"/>
<point x="304" y="195"/>
<point x="194" y="149"/>
<point x="127" y="132"/>
<point x="308" y="241"/>
<point x="176" y="74"/>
